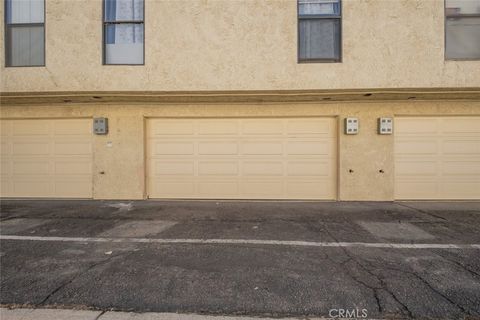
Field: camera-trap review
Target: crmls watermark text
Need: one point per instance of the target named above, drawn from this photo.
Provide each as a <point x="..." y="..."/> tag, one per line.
<point x="348" y="313"/>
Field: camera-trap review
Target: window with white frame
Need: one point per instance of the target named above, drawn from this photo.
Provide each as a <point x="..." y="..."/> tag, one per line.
<point x="123" y="32"/>
<point x="319" y="30"/>
<point x="462" y="29"/>
<point x="24" y="33"/>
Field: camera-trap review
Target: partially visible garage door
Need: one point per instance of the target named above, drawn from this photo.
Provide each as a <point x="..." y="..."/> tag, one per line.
<point x="46" y="158"/>
<point x="242" y="158"/>
<point x="437" y="158"/>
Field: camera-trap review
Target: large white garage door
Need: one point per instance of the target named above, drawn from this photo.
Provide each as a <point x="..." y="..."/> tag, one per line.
<point x="437" y="158"/>
<point x="46" y="158"/>
<point x="242" y="158"/>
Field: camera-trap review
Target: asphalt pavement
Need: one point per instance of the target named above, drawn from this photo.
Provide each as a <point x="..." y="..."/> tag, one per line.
<point x="271" y="259"/>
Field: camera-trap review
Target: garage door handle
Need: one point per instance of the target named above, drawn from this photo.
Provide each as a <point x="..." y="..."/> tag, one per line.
<point x="102" y="172"/>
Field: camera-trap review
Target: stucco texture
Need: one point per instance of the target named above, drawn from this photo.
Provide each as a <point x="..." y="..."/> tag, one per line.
<point x="199" y="45"/>
<point x="123" y="163"/>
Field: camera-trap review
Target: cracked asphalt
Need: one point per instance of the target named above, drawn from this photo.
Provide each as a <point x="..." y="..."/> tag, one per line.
<point x="243" y="279"/>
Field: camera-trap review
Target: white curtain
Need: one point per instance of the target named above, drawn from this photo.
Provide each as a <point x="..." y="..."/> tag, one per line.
<point x="124" y="43"/>
<point x="25" y="43"/>
<point x="128" y="10"/>
<point x="25" y="11"/>
<point x="319" y="39"/>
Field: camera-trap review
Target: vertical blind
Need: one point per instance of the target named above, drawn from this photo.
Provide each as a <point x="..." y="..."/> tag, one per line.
<point x="319" y="30"/>
<point x="25" y="33"/>
<point x="124" y="31"/>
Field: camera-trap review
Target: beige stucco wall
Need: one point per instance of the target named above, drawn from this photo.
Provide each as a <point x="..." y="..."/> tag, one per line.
<point x="365" y="153"/>
<point x="245" y="45"/>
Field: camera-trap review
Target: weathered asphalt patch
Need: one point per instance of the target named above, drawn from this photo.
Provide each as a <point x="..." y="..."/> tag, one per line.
<point x="395" y="230"/>
<point x="137" y="229"/>
<point x="18" y="225"/>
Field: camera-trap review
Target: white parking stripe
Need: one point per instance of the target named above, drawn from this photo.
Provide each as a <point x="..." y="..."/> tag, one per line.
<point x="250" y="241"/>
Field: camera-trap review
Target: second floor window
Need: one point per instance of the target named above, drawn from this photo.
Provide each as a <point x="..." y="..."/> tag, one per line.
<point x="319" y="30"/>
<point x="123" y="32"/>
<point x="24" y="33"/>
<point x="462" y="29"/>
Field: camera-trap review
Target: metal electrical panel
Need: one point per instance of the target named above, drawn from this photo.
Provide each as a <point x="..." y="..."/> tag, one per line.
<point x="385" y="125"/>
<point x="100" y="125"/>
<point x="351" y="125"/>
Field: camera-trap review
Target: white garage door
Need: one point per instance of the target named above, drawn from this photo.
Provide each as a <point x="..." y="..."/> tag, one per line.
<point x="437" y="158"/>
<point x="242" y="158"/>
<point x="46" y="158"/>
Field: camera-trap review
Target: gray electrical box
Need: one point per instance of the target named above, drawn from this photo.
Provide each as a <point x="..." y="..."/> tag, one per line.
<point x="385" y="125"/>
<point x="351" y="125"/>
<point x="100" y="125"/>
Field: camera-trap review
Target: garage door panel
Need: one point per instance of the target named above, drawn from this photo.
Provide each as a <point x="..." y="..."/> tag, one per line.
<point x="309" y="147"/>
<point x="262" y="189"/>
<point x="158" y="128"/>
<point x="72" y="127"/>
<point x="416" y="190"/>
<point x="173" y="148"/>
<point x="31" y="168"/>
<point x="262" y="148"/>
<point x="218" y="148"/>
<point x="309" y="168"/>
<point x="45" y="160"/>
<point x="172" y="167"/>
<point x="73" y="167"/>
<point x="6" y="186"/>
<point x="459" y="125"/>
<point x="412" y="147"/>
<point x="5" y="148"/>
<point x="262" y="127"/>
<point x="72" y="148"/>
<point x="309" y="189"/>
<point x="310" y="127"/>
<point x="461" y="147"/>
<point x="215" y="168"/>
<point x="416" y="127"/>
<point x="80" y="189"/>
<point x="6" y="167"/>
<point x="31" y="149"/>
<point x="218" y="127"/>
<point x="450" y="170"/>
<point x="35" y="128"/>
<point x="461" y="168"/>
<point x="460" y="190"/>
<point x="416" y="168"/>
<point x="263" y="168"/>
<point x="173" y="189"/>
<point x="221" y="188"/>
<point x="242" y="158"/>
<point x="5" y="129"/>
<point x="32" y="188"/>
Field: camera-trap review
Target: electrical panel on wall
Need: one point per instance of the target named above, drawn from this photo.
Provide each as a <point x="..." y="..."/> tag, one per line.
<point x="385" y="125"/>
<point x="351" y="125"/>
<point x="100" y="125"/>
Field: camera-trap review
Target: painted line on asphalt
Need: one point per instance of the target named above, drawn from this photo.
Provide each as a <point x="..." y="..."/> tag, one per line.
<point x="248" y="241"/>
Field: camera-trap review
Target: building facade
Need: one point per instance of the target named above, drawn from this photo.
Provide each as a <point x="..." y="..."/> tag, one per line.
<point x="255" y="99"/>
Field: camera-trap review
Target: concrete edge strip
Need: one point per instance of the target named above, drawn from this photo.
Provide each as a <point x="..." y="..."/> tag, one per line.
<point x="248" y="242"/>
<point x="49" y="313"/>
